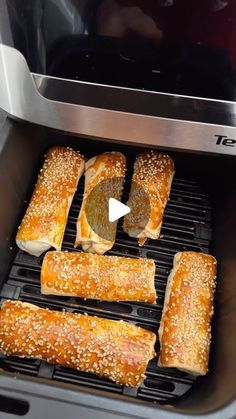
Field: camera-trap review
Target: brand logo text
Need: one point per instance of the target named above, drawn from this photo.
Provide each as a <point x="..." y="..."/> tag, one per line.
<point x="224" y="140"/>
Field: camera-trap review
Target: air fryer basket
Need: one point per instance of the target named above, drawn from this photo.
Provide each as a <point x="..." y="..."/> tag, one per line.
<point x="200" y="216"/>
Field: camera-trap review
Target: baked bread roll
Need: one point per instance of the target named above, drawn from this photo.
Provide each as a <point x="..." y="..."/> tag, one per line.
<point x="185" y="329"/>
<point x="149" y="193"/>
<point x="114" y="349"/>
<point x="107" y="278"/>
<point x="104" y="179"/>
<point x="44" y="223"/>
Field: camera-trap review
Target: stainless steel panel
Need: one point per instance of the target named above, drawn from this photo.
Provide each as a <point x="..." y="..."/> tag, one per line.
<point x="137" y="101"/>
<point x="21" y="98"/>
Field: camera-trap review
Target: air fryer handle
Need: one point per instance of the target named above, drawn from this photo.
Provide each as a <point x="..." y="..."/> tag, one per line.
<point x="29" y="406"/>
<point x="33" y="399"/>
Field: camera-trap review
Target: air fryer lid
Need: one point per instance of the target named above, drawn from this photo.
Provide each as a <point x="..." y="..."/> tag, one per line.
<point x="172" y="46"/>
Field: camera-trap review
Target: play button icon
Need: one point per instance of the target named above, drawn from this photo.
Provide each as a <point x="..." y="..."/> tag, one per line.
<point x="116" y="210"/>
<point x="103" y="208"/>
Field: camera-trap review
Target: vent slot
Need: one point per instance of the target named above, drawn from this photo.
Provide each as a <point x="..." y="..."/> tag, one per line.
<point x="13" y="406"/>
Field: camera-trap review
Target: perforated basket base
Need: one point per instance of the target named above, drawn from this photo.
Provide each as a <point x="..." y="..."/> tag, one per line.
<point x="186" y="226"/>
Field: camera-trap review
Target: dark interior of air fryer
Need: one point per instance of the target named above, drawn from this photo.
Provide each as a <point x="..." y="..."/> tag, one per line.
<point x="200" y="216"/>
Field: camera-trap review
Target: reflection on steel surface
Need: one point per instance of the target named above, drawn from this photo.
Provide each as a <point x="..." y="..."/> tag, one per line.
<point x="21" y="99"/>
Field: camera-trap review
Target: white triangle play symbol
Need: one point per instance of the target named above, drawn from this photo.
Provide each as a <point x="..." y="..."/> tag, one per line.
<point x="117" y="210"/>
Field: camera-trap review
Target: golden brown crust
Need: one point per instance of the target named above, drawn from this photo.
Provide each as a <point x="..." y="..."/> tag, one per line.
<point x="107" y="278"/>
<point x="113" y="349"/>
<point x="185" y="330"/>
<point x="46" y="216"/>
<point x="112" y="166"/>
<point x="150" y="189"/>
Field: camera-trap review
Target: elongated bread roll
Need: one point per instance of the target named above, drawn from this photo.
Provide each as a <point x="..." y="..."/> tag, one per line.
<point x="185" y="330"/>
<point x="44" y="223"/>
<point x="107" y="278"/>
<point x="113" y="349"/>
<point x="104" y="179"/>
<point x="149" y="193"/>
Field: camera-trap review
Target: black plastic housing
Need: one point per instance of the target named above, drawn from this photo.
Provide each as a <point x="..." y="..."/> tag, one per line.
<point x="21" y="154"/>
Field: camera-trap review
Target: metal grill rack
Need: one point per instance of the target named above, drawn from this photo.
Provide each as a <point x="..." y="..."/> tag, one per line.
<point x="186" y="226"/>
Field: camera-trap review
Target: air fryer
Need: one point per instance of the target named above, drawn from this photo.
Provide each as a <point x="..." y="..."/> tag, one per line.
<point x="100" y="75"/>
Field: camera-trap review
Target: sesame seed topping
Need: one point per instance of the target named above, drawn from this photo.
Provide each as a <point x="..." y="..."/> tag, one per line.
<point x="114" y="349"/>
<point x="152" y="176"/>
<point x="107" y="278"/>
<point x="185" y="331"/>
<point x="47" y="212"/>
<point x="104" y="175"/>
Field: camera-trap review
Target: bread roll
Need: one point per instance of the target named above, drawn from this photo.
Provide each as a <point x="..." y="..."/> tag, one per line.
<point x="44" y="223"/>
<point x="185" y="329"/>
<point x="149" y="193"/>
<point x="104" y="179"/>
<point x="107" y="278"/>
<point x="113" y="349"/>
